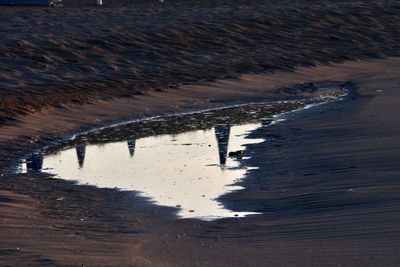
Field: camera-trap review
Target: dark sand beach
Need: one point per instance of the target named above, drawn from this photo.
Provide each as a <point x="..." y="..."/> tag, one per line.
<point x="80" y="53"/>
<point x="326" y="187"/>
<point x="327" y="191"/>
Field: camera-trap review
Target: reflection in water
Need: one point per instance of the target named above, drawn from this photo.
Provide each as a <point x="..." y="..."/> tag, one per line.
<point x="181" y="170"/>
<point x="34" y="162"/>
<point x="80" y="153"/>
<point x="189" y="171"/>
<point x="131" y="145"/>
<point x="222" y="135"/>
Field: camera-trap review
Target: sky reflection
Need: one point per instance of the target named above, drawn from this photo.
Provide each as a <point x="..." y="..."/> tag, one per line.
<point x="188" y="170"/>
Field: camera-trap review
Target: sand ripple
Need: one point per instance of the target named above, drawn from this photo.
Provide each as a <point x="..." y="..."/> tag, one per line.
<point x="80" y="52"/>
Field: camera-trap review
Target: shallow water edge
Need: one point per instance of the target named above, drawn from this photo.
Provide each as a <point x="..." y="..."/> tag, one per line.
<point x="185" y="161"/>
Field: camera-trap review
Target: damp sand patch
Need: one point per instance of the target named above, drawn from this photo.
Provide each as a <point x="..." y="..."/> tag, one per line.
<point x="185" y="161"/>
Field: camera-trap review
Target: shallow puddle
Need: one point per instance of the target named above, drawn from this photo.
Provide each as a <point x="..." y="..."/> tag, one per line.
<point x="184" y="161"/>
<point x="188" y="170"/>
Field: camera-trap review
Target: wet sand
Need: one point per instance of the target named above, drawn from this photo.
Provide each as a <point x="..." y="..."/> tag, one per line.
<point x="327" y="186"/>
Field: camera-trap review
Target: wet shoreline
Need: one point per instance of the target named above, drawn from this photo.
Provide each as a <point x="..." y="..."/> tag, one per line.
<point x="222" y="120"/>
<point x="203" y="119"/>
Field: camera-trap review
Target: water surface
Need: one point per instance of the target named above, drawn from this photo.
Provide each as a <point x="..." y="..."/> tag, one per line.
<point x="183" y="161"/>
<point x="189" y="170"/>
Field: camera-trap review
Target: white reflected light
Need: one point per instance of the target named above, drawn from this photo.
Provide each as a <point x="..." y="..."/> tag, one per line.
<point x="186" y="170"/>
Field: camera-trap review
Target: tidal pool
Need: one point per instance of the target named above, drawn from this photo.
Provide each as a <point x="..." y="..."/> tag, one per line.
<point x="183" y="161"/>
<point x="189" y="170"/>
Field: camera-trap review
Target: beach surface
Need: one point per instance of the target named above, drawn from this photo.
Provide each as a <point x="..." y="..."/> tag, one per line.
<point x="326" y="190"/>
<point x="82" y="53"/>
<point x="326" y="186"/>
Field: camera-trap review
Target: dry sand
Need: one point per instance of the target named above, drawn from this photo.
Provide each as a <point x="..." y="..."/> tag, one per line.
<point x="50" y="57"/>
<point x="333" y="199"/>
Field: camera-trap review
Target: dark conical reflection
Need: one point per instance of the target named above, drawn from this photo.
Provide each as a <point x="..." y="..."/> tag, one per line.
<point x="34" y="162"/>
<point x="222" y="134"/>
<point x="80" y="152"/>
<point x="131" y="145"/>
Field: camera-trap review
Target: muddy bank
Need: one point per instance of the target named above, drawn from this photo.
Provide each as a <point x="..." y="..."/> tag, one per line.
<point x="311" y="216"/>
<point x="80" y="54"/>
